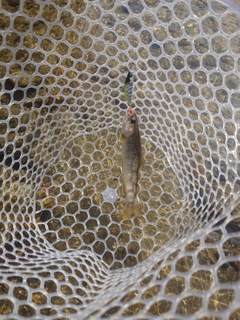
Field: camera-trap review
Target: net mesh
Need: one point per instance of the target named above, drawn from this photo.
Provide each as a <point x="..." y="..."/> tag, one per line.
<point x="66" y="252"/>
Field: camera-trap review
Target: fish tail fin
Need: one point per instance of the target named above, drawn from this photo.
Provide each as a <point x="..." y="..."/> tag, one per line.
<point x="129" y="211"/>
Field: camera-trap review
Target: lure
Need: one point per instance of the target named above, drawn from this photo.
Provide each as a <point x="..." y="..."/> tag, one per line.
<point x="128" y="87"/>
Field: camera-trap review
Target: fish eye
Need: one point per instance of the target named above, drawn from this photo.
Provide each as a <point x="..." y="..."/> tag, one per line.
<point x="133" y="120"/>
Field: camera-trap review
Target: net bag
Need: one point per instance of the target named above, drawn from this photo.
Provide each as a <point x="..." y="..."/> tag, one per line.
<point x="66" y="252"/>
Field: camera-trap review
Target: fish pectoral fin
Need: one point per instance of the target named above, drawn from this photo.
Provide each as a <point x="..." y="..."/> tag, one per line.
<point x="142" y="153"/>
<point x="122" y="138"/>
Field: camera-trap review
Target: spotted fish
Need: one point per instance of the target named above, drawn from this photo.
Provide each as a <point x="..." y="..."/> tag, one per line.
<point x="131" y="161"/>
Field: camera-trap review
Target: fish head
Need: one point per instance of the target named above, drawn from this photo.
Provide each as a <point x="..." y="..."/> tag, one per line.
<point x="130" y="123"/>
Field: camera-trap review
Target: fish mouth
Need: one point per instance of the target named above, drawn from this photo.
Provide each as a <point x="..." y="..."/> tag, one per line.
<point x="130" y="114"/>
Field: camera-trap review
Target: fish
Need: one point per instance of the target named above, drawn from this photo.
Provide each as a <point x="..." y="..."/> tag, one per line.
<point x="131" y="162"/>
<point x="128" y="87"/>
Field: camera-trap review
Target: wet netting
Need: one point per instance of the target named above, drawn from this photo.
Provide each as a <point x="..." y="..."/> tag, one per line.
<point x="66" y="252"/>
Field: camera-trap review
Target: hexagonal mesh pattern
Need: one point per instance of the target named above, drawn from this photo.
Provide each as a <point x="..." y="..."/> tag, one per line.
<point x="66" y="252"/>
